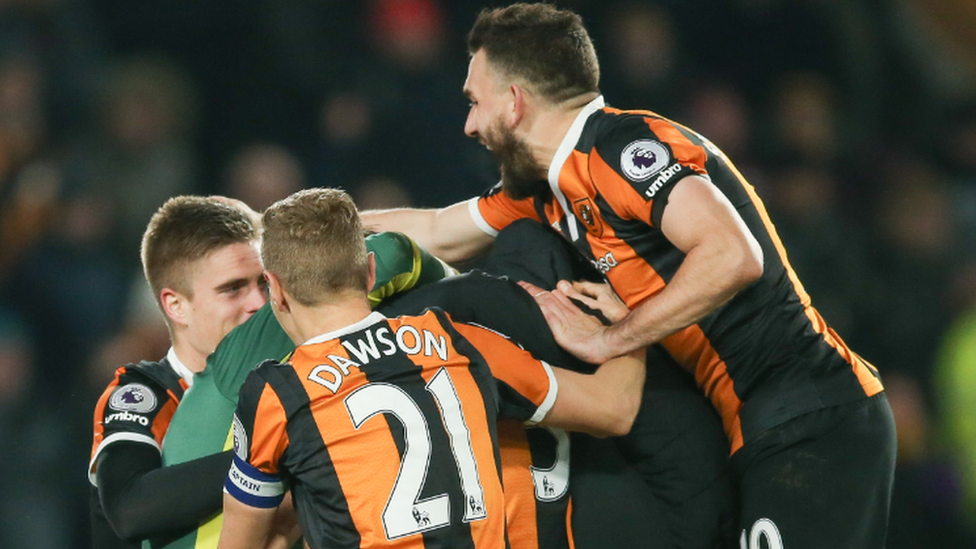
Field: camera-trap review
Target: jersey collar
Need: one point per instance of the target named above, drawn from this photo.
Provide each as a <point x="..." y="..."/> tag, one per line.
<point x="177" y="365"/>
<point x="562" y="153"/>
<point x="371" y="319"/>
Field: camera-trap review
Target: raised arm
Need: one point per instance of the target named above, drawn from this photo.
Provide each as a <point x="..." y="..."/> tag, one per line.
<point x="449" y="233"/>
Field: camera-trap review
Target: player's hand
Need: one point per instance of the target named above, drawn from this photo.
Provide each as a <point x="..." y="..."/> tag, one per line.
<point x="574" y="330"/>
<point x="600" y="297"/>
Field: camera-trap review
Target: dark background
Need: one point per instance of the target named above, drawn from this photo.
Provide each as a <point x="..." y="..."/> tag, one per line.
<point x="855" y="120"/>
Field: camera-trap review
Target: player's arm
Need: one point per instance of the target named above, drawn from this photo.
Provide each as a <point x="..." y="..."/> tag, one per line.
<point x="721" y="258"/>
<point x="449" y="233"/>
<point x="254" y="487"/>
<point x="141" y="499"/>
<point x="603" y="404"/>
<point x="245" y="527"/>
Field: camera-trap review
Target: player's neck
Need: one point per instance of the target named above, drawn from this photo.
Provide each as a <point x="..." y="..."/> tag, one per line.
<point x="313" y="321"/>
<point x="546" y="128"/>
<point x="194" y="359"/>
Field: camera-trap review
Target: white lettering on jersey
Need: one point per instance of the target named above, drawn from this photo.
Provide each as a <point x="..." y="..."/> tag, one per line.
<point x="126" y="416"/>
<point x="662" y="179"/>
<point x="408" y="339"/>
<point x="605" y="263"/>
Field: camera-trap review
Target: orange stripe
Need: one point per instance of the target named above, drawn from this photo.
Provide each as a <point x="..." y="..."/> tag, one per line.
<point x="499" y="210"/>
<point x="569" y="524"/>
<point x="692" y="350"/>
<point x="508" y="363"/>
<point x="685" y="151"/>
<point x="99" y="417"/>
<point x="269" y="437"/>
<point x="366" y="488"/>
<point x="519" y="489"/>
<point x="630" y="266"/>
<point x="162" y="420"/>
<point x="871" y="384"/>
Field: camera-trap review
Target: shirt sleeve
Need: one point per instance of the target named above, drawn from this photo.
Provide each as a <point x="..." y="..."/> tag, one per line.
<point x="133" y="408"/>
<point x="494" y="210"/>
<point x="648" y="155"/>
<point x="260" y="439"/>
<point x="401" y="265"/>
<point x="527" y="387"/>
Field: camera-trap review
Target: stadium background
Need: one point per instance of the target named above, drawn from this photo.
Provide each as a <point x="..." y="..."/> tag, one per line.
<point x="856" y="120"/>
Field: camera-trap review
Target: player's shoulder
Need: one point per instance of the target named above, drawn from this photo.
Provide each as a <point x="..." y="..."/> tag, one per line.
<point x="265" y="373"/>
<point x="144" y="382"/>
<point x="643" y="148"/>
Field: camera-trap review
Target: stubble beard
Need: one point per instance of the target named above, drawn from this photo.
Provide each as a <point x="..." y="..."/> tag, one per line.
<point x="522" y="177"/>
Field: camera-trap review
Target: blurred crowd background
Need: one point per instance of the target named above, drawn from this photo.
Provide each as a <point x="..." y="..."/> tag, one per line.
<point x="855" y="119"/>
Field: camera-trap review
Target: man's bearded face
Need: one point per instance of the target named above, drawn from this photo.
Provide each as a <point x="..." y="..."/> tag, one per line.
<point x="522" y="177"/>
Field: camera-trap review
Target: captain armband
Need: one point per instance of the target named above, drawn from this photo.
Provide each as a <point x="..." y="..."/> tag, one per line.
<point x="252" y="487"/>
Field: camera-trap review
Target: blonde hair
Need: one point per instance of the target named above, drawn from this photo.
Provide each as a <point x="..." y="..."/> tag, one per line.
<point x="313" y="241"/>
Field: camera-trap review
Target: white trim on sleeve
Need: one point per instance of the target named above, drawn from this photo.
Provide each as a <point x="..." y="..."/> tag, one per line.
<point x="478" y="219"/>
<point x="543" y="409"/>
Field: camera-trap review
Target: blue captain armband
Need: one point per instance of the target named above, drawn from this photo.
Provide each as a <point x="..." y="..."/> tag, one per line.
<point x="252" y="487"/>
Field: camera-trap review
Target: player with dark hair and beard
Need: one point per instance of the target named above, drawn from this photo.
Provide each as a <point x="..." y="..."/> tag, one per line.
<point x="685" y="241"/>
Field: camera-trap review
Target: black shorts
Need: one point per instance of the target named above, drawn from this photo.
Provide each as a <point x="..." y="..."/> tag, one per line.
<point x="823" y="479"/>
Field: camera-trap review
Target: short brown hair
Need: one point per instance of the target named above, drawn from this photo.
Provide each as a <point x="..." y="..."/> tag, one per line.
<point x="546" y="47"/>
<point x="186" y="229"/>
<point x="313" y="241"/>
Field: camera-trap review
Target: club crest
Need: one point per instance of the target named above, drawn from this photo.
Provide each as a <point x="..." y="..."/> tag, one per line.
<point x="587" y="213"/>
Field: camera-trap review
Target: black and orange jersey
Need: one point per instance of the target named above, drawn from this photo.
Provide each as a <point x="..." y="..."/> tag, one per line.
<point x="764" y="357"/>
<point x="137" y="406"/>
<point x="535" y="469"/>
<point x="386" y="432"/>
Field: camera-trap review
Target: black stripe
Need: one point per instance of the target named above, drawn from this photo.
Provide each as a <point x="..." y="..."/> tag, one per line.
<point x="550" y="515"/>
<point x="308" y="466"/>
<point x="399" y="370"/>
<point x="648" y="242"/>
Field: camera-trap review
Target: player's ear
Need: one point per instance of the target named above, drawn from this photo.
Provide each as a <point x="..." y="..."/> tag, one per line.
<point x="175" y="305"/>
<point x="371" y="261"/>
<point x="518" y="97"/>
<point x="279" y="300"/>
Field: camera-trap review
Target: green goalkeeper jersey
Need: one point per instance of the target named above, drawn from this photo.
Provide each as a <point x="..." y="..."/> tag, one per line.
<point x="202" y="423"/>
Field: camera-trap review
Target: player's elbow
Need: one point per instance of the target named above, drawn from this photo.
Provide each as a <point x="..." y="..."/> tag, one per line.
<point x="127" y="527"/>
<point x="620" y="417"/>
<point x="748" y="262"/>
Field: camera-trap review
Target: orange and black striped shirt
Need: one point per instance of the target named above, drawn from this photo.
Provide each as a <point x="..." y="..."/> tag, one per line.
<point x="137" y="406"/>
<point x="765" y="356"/>
<point x="386" y="433"/>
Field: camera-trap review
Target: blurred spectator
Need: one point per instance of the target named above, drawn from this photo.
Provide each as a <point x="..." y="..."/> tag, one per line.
<point x="410" y="33"/>
<point x="826" y="250"/>
<point x="912" y="261"/>
<point x="720" y="111"/>
<point x="805" y="121"/>
<point x="925" y="500"/>
<point x="643" y="68"/>
<point x="33" y="510"/>
<point x="143" y="336"/>
<point x="956" y="396"/>
<point x="23" y="121"/>
<point x="262" y="173"/>
<point x="382" y="193"/>
<point x="143" y="153"/>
